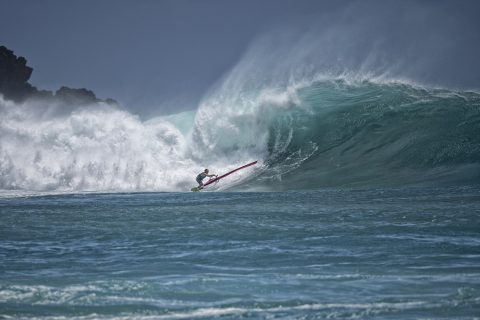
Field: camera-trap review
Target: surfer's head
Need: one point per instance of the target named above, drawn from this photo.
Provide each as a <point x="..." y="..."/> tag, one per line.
<point x="206" y="171"/>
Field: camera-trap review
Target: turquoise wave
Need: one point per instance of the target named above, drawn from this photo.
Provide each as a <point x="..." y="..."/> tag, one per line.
<point x="329" y="133"/>
<point x="367" y="134"/>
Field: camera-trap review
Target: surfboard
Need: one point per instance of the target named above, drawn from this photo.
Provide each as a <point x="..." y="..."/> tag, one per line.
<point x="196" y="189"/>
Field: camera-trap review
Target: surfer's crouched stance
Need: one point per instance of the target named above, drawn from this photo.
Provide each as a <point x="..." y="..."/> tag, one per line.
<point x="202" y="176"/>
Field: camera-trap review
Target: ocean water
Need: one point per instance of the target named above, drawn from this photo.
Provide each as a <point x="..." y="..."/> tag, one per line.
<point x="331" y="253"/>
<point x="365" y="203"/>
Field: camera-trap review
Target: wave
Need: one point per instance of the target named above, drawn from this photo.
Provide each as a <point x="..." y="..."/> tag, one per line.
<point x="96" y="148"/>
<point x="101" y="294"/>
<point x="108" y="294"/>
<point x="319" y="133"/>
<point x="331" y="133"/>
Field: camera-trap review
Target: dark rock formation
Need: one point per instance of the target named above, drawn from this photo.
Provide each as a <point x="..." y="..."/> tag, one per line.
<point x="76" y="96"/>
<point x="14" y="76"/>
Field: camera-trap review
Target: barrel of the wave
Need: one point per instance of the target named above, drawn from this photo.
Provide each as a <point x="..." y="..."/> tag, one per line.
<point x="216" y="179"/>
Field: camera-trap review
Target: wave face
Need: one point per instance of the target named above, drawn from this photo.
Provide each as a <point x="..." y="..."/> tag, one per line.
<point x="338" y="133"/>
<point x="325" y="133"/>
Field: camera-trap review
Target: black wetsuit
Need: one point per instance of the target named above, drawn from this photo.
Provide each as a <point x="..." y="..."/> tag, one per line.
<point x="200" y="177"/>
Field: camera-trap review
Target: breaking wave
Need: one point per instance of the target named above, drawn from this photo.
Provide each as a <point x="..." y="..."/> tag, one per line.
<point x="319" y="133"/>
<point x="336" y="133"/>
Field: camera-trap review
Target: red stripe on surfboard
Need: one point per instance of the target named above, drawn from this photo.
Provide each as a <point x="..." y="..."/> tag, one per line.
<point x="228" y="173"/>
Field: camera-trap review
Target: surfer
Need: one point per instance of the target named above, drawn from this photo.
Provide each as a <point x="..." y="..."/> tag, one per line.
<point x="202" y="176"/>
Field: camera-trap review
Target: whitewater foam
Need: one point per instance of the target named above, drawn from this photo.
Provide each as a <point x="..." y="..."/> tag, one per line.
<point x="93" y="148"/>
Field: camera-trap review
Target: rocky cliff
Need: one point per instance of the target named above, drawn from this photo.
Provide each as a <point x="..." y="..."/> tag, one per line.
<point x="14" y="85"/>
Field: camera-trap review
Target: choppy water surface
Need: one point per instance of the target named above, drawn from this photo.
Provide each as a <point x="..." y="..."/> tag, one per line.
<point x="378" y="253"/>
